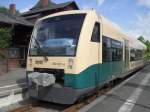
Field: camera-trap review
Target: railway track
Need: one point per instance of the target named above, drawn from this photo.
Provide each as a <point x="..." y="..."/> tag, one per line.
<point x="79" y="105"/>
<point x="36" y="106"/>
<point x="39" y="106"/>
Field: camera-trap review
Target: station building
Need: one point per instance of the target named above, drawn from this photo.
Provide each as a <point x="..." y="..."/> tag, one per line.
<point x="23" y="24"/>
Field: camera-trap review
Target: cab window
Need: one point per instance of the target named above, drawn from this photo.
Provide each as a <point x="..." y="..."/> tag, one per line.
<point x="96" y="33"/>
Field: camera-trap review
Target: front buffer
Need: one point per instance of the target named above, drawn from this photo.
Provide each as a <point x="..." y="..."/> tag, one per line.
<point x="42" y="86"/>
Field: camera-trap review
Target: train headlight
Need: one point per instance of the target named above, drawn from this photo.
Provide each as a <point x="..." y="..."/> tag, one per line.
<point x="30" y="62"/>
<point x="70" y="63"/>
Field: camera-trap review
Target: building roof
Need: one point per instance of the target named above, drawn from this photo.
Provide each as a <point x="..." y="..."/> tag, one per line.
<point x="39" y="8"/>
<point x="39" y="5"/>
<point x="9" y="18"/>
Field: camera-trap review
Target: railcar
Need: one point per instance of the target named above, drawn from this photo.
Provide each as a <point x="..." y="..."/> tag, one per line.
<point x="73" y="52"/>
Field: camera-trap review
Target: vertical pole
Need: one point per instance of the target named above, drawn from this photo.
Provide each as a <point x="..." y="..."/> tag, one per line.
<point x="7" y="58"/>
<point x="7" y="61"/>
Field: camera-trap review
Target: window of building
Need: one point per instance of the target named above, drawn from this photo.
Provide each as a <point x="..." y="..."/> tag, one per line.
<point x="96" y="33"/>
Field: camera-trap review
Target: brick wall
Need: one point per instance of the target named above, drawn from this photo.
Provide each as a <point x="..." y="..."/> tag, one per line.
<point x="3" y="66"/>
<point x="7" y="63"/>
<point x="13" y="63"/>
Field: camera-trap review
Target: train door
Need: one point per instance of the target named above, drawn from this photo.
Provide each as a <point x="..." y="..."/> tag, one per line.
<point x="126" y="55"/>
<point x="95" y="39"/>
<point x="106" y="68"/>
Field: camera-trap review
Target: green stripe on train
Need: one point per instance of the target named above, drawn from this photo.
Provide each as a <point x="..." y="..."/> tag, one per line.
<point x="94" y="75"/>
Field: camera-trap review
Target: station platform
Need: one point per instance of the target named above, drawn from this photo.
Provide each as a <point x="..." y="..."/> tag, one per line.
<point x="132" y="95"/>
<point x="13" y="76"/>
<point x="12" y="84"/>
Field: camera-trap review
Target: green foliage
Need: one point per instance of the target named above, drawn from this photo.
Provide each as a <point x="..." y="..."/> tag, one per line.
<point x="147" y="43"/>
<point x="141" y="38"/>
<point x="5" y="37"/>
<point x="2" y="55"/>
<point x="148" y="55"/>
<point x="5" y="10"/>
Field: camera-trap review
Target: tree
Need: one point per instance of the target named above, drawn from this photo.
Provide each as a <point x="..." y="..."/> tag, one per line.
<point x="147" y="43"/>
<point x="5" y="10"/>
<point x="5" y="37"/>
<point x="5" y="40"/>
<point x="141" y="38"/>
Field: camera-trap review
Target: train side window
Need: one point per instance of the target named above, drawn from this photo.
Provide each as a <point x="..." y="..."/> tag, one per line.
<point x="135" y="54"/>
<point x="107" y="56"/>
<point x="117" y="50"/>
<point x="112" y="50"/>
<point x="132" y="54"/>
<point x="96" y="33"/>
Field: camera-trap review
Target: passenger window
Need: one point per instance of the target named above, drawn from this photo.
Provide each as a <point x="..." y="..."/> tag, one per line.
<point x="117" y="50"/>
<point x="112" y="50"/>
<point x="132" y="55"/>
<point x="107" y="57"/>
<point x="96" y="33"/>
<point x="135" y="54"/>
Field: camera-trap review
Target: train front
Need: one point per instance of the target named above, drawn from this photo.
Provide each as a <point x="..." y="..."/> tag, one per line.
<point x="52" y="58"/>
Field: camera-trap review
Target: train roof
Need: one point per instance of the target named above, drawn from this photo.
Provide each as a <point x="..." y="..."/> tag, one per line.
<point x="136" y="44"/>
<point x="65" y="13"/>
<point x="109" y="27"/>
<point x="133" y="42"/>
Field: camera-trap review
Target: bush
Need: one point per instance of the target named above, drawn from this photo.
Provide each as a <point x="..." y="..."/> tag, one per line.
<point x="2" y="55"/>
<point x="147" y="43"/>
<point x="5" y="37"/>
<point x="5" y="40"/>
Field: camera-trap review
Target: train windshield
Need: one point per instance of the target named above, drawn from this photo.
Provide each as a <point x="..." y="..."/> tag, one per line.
<point x="57" y="36"/>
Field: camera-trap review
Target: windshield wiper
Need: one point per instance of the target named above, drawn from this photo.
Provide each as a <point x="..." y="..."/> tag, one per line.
<point x="39" y="47"/>
<point x="37" y="43"/>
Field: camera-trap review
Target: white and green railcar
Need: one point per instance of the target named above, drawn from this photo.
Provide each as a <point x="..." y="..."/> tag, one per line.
<point x="73" y="52"/>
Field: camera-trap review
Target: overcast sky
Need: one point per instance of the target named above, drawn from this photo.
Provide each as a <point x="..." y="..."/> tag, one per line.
<point x="133" y="16"/>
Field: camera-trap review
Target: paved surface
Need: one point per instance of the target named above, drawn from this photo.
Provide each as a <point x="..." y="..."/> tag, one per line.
<point x="13" y="77"/>
<point x="133" y="95"/>
<point x="13" y="80"/>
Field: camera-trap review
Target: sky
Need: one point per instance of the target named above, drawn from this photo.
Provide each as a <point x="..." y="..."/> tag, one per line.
<point x="133" y="16"/>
